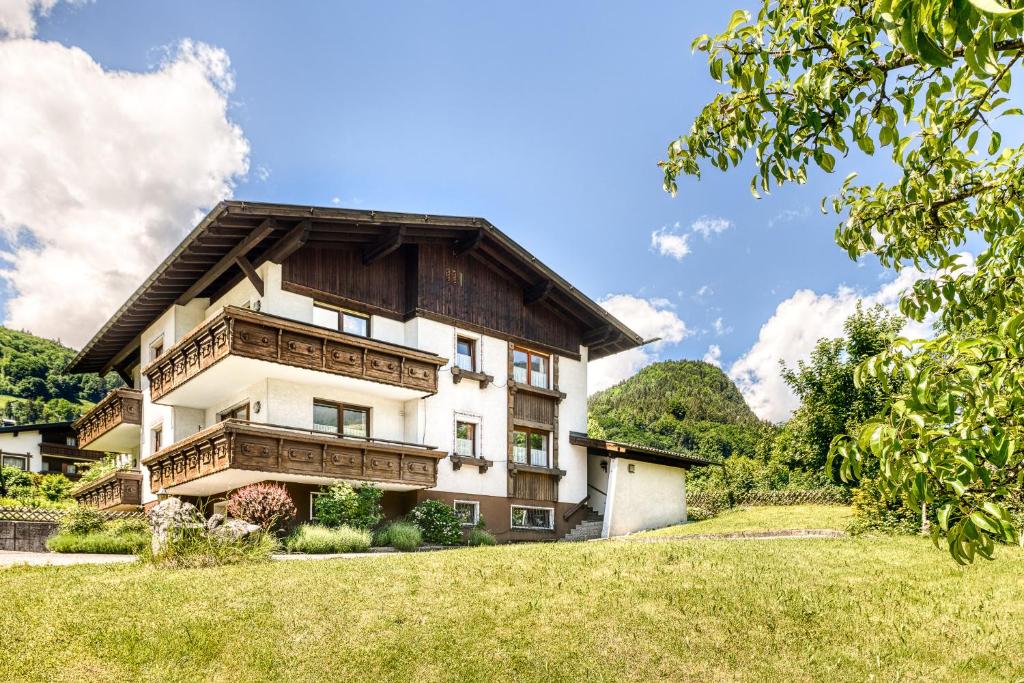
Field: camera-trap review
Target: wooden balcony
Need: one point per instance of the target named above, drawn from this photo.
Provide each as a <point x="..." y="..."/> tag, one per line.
<point x="119" y="490"/>
<point x="235" y="453"/>
<point x="71" y="453"/>
<point x="114" y="424"/>
<point x="242" y="343"/>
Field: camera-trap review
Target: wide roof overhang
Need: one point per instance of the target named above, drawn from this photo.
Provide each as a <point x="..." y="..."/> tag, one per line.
<point x="238" y="234"/>
<point x="632" y="451"/>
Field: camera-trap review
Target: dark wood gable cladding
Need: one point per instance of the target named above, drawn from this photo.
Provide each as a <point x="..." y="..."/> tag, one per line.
<point x="431" y="280"/>
<point x="451" y="268"/>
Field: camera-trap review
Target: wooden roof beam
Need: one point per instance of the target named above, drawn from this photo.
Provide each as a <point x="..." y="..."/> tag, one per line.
<point x="240" y="249"/>
<point x="538" y="292"/>
<point x="468" y="244"/>
<point x="597" y="336"/>
<point x="386" y="245"/>
<point x="250" y="273"/>
<point x="290" y="243"/>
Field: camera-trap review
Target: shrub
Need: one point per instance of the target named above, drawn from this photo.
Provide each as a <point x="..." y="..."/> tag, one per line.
<point x="438" y="522"/>
<point x="55" y="487"/>
<point x="872" y="511"/>
<point x="266" y="505"/>
<point x="14" y="481"/>
<point x="316" y="539"/>
<point x="342" y="505"/>
<point x="480" y="537"/>
<point x="106" y="541"/>
<point x="698" y="513"/>
<point x="401" y="536"/>
<point x="194" y="548"/>
<point x="128" y="526"/>
<point x="98" y="469"/>
<point x="82" y="520"/>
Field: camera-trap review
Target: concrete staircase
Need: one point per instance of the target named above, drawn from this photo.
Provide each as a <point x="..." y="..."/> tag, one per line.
<point x="589" y="527"/>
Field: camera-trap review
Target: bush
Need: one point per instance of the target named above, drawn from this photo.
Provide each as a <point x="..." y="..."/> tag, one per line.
<point x="128" y="526"/>
<point x="266" y="505"/>
<point x="872" y="511"/>
<point x="438" y="522"/>
<point x="55" y="487"/>
<point x="194" y="548"/>
<point x="82" y="520"/>
<point x="342" y="505"/>
<point x="106" y="541"/>
<point x="14" y="481"/>
<point x="698" y="513"/>
<point x="480" y="537"/>
<point x="401" y="536"/>
<point x="316" y="539"/>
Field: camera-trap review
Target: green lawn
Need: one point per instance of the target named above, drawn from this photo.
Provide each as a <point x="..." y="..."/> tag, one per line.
<point x="764" y="518"/>
<point x="849" y="609"/>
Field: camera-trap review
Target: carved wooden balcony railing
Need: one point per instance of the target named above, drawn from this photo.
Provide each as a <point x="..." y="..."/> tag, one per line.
<point x="248" y="334"/>
<point x="60" y="450"/>
<point x="119" y="407"/>
<point x="273" y="449"/>
<point x="120" y="489"/>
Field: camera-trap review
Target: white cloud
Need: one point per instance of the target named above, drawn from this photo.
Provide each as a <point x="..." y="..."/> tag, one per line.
<point x="714" y="356"/>
<point x="720" y="327"/>
<point x="18" y="17"/>
<point x="650" y="318"/>
<point x="792" y="333"/>
<point x="710" y="225"/>
<point x="107" y="170"/>
<point x="671" y="244"/>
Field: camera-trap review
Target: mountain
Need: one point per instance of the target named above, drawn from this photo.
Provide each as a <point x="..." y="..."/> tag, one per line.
<point x="33" y="386"/>
<point x="680" y="405"/>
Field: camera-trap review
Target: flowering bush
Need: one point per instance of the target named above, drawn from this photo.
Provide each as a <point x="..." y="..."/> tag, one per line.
<point x="266" y="505"/>
<point x="438" y="522"/>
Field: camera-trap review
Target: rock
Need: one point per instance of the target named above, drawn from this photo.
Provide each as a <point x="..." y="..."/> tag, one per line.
<point x="235" y="529"/>
<point x="215" y="521"/>
<point x="172" y="515"/>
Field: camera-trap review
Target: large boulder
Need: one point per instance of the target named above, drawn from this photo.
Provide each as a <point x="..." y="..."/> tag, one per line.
<point x="171" y="516"/>
<point x="235" y="530"/>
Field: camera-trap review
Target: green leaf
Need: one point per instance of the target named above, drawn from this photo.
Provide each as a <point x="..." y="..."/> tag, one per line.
<point x="931" y="52"/>
<point x="994" y="7"/>
<point x="740" y="16"/>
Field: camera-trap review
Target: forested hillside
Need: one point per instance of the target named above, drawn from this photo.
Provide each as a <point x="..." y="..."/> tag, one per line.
<point x="33" y="387"/>
<point x="680" y="405"/>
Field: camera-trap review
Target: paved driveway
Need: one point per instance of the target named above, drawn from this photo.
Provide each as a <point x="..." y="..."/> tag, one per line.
<point x="9" y="558"/>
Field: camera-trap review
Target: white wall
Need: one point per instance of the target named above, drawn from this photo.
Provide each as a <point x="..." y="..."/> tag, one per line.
<point x="23" y="443"/>
<point x="597" y="477"/>
<point x="572" y="417"/>
<point x="649" y="497"/>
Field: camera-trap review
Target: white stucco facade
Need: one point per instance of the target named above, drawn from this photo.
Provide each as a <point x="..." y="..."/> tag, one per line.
<point x="642" y="495"/>
<point x="285" y="395"/>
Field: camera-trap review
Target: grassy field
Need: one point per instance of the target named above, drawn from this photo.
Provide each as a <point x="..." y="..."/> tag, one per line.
<point x="764" y="518"/>
<point x="850" y="609"/>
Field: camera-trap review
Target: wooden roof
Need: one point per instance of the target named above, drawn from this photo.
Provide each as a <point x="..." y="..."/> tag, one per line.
<point x="632" y="451"/>
<point x="206" y="264"/>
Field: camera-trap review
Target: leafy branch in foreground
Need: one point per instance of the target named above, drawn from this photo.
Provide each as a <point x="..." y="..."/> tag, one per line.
<point x="927" y="83"/>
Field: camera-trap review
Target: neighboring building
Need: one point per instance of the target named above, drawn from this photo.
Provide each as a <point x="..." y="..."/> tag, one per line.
<point x="431" y="355"/>
<point x="46" y="448"/>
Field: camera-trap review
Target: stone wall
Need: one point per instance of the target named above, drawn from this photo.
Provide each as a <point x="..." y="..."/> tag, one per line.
<point x="25" y="536"/>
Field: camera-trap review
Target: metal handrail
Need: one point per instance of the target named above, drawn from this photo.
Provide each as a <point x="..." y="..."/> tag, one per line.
<point x="591" y="486"/>
<point x="315" y="432"/>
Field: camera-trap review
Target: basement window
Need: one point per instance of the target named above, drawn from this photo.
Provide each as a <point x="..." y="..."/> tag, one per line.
<point x="468" y="511"/>
<point x="525" y="517"/>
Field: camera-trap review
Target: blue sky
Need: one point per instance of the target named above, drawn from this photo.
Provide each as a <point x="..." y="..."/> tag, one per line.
<point x="547" y="119"/>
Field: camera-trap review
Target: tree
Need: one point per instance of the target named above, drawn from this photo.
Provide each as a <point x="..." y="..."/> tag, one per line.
<point x="831" y="401"/>
<point x="924" y="82"/>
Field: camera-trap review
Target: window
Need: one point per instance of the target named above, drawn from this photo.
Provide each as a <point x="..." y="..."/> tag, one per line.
<point x="529" y="367"/>
<point x="158" y="438"/>
<point x="352" y="420"/>
<point x="465" y="354"/>
<point x="19" y="461"/>
<point x="325" y="417"/>
<point x="156" y="349"/>
<point x="524" y="517"/>
<point x="468" y="511"/>
<point x="465" y="439"/>
<point x="348" y="322"/>
<point x="71" y="441"/>
<point x="239" y="412"/>
<point x="355" y="323"/>
<point x="530" y="447"/>
<point x="312" y="503"/>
